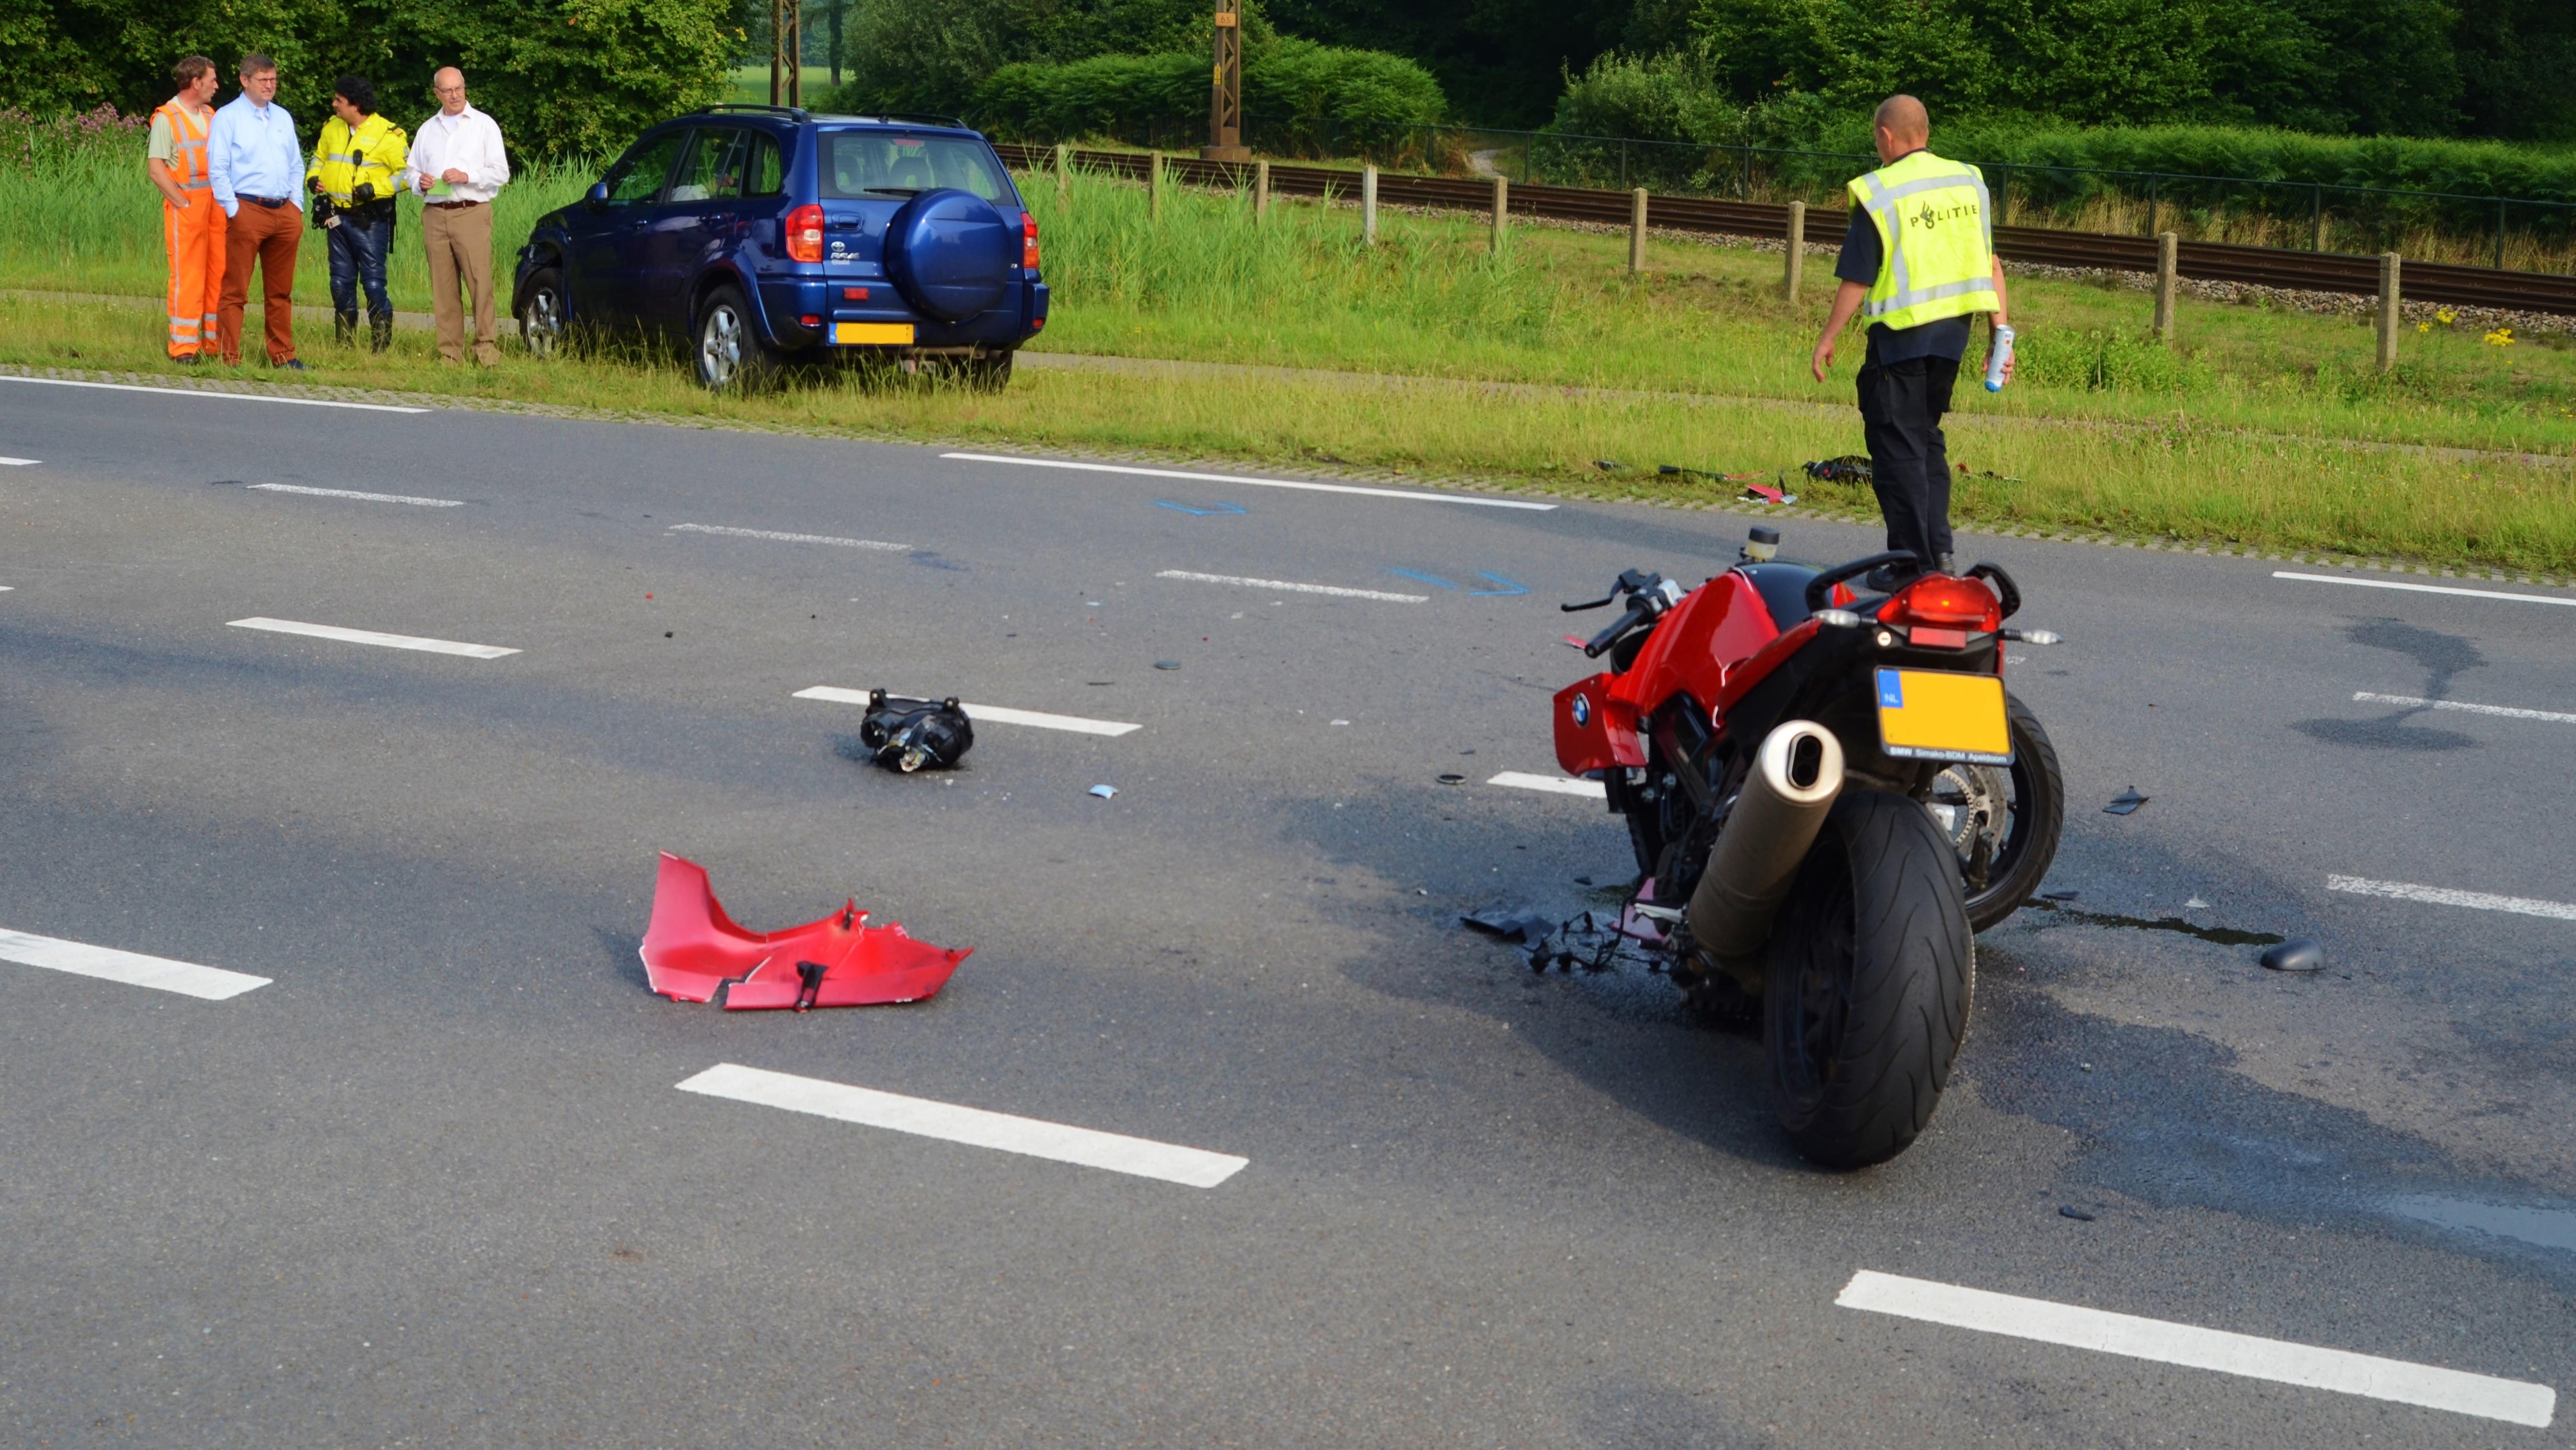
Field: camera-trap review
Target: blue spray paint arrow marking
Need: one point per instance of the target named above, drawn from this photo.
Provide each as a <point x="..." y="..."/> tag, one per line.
<point x="1195" y="511"/>
<point x="1420" y="578"/>
<point x="1509" y="588"/>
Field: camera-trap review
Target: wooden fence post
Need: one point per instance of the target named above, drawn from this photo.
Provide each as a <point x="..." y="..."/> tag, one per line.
<point x="1260" y="190"/>
<point x="2168" y="270"/>
<point x="1502" y="212"/>
<point x="2389" y="316"/>
<point x="1154" y="186"/>
<point x="1637" y="232"/>
<point x="1368" y="204"/>
<point x="1790" y="272"/>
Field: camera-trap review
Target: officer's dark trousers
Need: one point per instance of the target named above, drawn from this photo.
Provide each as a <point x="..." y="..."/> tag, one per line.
<point x="1900" y="411"/>
<point x="358" y="256"/>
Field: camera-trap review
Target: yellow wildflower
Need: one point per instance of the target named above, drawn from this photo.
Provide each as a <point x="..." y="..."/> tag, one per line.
<point x="2501" y="337"/>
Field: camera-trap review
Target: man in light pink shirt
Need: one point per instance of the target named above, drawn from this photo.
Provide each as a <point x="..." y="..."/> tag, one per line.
<point x="457" y="168"/>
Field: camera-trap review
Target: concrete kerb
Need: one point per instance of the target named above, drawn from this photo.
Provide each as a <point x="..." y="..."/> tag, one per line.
<point x="1343" y="473"/>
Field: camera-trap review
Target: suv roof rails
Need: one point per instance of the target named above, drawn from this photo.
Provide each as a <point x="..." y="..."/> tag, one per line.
<point x="923" y="116"/>
<point x="798" y="113"/>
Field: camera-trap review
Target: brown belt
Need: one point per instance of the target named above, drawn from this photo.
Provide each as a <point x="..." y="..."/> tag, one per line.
<point x="453" y="205"/>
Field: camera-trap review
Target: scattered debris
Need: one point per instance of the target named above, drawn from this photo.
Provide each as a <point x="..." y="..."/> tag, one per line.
<point x="1986" y="473"/>
<point x="1103" y="791"/>
<point x="1850" y="468"/>
<point x="2195" y="904"/>
<point x="1608" y="465"/>
<point x="1582" y="880"/>
<point x="2125" y="803"/>
<point x="2071" y="1211"/>
<point x="2061" y="895"/>
<point x="906" y="734"/>
<point x="1448" y="777"/>
<point x="2088" y="1067"/>
<point x="1511" y="921"/>
<point x="692" y="949"/>
<point x="1341" y="722"/>
<point x="2298" y="954"/>
<point x="1167" y="664"/>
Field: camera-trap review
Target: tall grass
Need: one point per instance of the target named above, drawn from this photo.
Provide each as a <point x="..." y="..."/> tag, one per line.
<point x="78" y="215"/>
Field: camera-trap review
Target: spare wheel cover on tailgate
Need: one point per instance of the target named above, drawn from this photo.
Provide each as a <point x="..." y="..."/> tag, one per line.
<point x="951" y="255"/>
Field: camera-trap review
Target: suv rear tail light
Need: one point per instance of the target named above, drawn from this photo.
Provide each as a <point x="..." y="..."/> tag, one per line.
<point x="804" y="228"/>
<point x="1028" y="241"/>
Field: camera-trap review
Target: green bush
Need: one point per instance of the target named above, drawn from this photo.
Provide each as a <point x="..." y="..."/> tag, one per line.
<point x="1363" y="100"/>
<point x="936" y="55"/>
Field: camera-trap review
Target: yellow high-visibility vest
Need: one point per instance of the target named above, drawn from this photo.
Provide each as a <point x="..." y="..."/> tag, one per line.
<point x="1936" y="239"/>
<point x="375" y="155"/>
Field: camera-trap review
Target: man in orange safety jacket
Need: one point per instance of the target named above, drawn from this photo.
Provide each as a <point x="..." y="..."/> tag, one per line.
<point x="192" y="225"/>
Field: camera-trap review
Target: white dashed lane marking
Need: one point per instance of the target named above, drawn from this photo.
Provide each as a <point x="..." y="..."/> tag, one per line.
<point x="974" y="1126"/>
<point x="2277" y="1360"/>
<point x="1302" y="485"/>
<point x="987" y="714"/>
<point x="213" y="394"/>
<point x="2446" y="896"/>
<point x="214" y="984"/>
<point x="19" y="462"/>
<point x="779" y="538"/>
<point x="1334" y="590"/>
<point x="369" y="636"/>
<point x="427" y="503"/>
<point x="1554" y="784"/>
<point x="2425" y="588"/>
<point x="2509" y="712"/>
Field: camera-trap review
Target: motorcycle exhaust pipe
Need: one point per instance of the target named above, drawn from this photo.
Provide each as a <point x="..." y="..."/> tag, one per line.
<point x="1796" y="775"/>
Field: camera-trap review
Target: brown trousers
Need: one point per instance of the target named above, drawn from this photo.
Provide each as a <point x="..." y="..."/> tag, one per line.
<point x="269" y="236"/>
<point x="460" y="251"/>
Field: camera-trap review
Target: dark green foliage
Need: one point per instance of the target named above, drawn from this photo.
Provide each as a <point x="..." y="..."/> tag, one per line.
<point x="936" y="55"/>
<point x="1509" y="56"/>
<point x="561" y="76"/>
<point x="1360" y="99"/>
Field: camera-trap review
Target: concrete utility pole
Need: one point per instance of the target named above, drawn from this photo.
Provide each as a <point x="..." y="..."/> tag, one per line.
<point x="1225" y="99"/>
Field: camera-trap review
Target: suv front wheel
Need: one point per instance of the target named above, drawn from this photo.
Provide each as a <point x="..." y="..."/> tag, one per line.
<point x="730" y="355"/>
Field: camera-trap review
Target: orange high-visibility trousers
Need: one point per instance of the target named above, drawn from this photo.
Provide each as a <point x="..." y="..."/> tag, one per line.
<point x="194" y="241"/>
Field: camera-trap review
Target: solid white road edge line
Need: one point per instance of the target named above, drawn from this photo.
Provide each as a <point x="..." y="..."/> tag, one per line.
<point x="2445" y="896"/>
<point x="2277" y="1360"/>
<point x="2424" y="588"/>
<point x="987" y="714"/>
<point x="2507" y="711"/>
<point x="369" y="636"/>
<point x="1491" y="503"/>
<point x="19" y="462"/>
<point x="1557" y="784"/>
<point x="208" y="393"/>
<point x="778" y="538"/>
<point x="427" y="503"/>
<point x="214" y="984"/>
<point x="1335" y="590"/>
<point x="1087" y="1147"/>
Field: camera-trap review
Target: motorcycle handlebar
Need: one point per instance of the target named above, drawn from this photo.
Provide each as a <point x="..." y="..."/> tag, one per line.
<point x="1637" y="614"/>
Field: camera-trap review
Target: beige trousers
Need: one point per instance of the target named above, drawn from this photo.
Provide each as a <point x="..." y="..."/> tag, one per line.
<point x="460" y="251"/>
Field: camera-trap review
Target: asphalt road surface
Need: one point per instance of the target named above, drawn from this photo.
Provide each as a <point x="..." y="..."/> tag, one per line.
<point x="434" y="1183"/>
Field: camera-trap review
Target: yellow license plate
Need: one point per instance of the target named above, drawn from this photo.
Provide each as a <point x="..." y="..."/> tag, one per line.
<point x="1933" y="715"/>
<point x="896" y="333"/>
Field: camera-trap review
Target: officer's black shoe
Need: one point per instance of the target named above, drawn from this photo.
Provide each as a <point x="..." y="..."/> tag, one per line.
<point x="1888" y="578"/>
<point x="1948" y="565"/>
<point x="344" y="327"/>
<point x="381" y="333"/>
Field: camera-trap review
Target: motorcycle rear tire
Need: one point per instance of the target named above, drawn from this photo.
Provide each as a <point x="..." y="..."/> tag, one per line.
<point x="1870" y="973"/>
<point x="2039" y="793"/>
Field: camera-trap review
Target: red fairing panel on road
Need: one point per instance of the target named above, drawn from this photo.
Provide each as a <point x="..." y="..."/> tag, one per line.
<point x="693" y="948"/>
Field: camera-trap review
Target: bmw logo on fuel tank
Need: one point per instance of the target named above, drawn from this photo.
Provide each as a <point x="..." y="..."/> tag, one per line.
<point x="1582" y="710"/>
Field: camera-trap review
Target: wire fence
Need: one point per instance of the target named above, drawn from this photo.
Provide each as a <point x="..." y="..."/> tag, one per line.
<point x="2502" y="232"/>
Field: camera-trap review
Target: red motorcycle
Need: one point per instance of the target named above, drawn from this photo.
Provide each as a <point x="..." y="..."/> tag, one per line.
<point x="1829" y="793"/>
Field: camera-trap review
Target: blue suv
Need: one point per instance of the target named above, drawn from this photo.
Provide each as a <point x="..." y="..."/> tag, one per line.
<point x="760" y="235"/>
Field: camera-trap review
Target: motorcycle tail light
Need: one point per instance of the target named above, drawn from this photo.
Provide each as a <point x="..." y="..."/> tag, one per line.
<point x="805" y="234"/>
<point x="1943" y="602"/>
<point x="1028" y="241"/>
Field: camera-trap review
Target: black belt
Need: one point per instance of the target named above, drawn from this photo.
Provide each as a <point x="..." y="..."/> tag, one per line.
<point x="271" y="202"/>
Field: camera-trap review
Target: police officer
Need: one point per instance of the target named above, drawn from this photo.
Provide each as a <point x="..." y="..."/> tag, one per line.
<point x="1918" y="261"/>
<point x="356" y="169"/>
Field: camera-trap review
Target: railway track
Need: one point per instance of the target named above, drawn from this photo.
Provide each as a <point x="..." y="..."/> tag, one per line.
<point x="2206" y="261"/>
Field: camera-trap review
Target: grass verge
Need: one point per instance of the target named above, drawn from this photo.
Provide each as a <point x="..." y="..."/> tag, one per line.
<point x="2171" y="481"/>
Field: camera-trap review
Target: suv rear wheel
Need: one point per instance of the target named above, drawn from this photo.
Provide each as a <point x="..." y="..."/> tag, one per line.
<point x="990" y="373"/>
<point x="730" y="355"/>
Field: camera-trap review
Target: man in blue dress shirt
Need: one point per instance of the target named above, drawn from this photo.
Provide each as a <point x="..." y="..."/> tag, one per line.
<point x="257" y="167"/>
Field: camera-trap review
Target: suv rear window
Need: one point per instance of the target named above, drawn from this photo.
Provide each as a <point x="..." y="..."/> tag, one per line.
<point x="889" y="163"/>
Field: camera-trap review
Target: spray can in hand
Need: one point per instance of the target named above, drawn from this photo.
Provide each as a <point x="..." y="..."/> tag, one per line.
<point x="1995" y="363"/>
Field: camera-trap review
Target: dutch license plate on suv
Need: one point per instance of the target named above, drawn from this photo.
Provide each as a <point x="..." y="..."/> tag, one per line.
<point x="1935" y="715"/>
